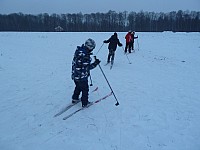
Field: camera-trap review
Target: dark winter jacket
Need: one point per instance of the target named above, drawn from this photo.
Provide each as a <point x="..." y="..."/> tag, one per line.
<point x="81" y="64"/>
<point x="113" y="42"/>
<point x="133" y="37"/>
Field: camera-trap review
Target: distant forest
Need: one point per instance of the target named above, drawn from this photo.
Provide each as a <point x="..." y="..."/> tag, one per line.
<point x="176" y="21"/>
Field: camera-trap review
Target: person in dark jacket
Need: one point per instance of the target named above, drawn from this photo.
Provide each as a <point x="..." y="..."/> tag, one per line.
<point x="81" y="66"/>
<point x="113" y="42"/>
<point x="133" y="38"/>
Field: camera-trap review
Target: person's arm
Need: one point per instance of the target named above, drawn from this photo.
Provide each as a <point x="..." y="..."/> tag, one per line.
<point x="118" y="43"/>
<point x="95" y="63"/>
<point x="107" y="41"/>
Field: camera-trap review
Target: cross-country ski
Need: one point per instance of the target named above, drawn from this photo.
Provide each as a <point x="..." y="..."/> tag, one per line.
<point x="91" y="103"/>
<point x="70" y="105"/>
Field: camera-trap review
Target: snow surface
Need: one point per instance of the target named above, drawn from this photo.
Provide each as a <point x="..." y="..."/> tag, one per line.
<point x="158" y="93"/>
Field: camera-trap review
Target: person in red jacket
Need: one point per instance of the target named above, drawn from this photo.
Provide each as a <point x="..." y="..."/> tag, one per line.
<point x="128" y="38"/>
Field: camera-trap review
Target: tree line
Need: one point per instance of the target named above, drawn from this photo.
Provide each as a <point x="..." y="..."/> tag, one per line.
<point x="176" y="21"/>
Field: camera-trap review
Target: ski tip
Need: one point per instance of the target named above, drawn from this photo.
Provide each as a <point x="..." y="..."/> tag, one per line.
<point x="106" y="64"/>
<point x="95" y="89"/>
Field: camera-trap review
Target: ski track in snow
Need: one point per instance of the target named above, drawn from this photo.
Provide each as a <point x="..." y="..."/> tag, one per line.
<point x="158" y="93"/>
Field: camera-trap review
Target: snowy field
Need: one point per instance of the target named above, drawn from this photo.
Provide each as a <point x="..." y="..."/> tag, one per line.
<point x="159" y="93"/>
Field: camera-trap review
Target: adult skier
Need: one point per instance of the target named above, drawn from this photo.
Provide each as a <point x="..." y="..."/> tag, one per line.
<point x="113" y="42"/>
<point x="81" y="66"/>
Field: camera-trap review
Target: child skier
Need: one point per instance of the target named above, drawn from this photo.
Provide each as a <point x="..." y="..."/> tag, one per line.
<point x="113" y="42"/>
<point x="81" y="66"/>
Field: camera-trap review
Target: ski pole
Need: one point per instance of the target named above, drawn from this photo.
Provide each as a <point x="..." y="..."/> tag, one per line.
<point x="91" y="81"/>
<point x="126" y="55"/>
<point x="138" y="45"/>
<point x="108" y="83"/>
<point x="99" y="49"/>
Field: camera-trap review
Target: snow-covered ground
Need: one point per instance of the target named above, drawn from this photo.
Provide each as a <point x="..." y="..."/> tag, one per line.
<point x="158" y="93"/>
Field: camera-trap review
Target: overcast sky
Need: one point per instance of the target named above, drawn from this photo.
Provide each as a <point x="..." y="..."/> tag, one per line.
<point x="92" y="6"/>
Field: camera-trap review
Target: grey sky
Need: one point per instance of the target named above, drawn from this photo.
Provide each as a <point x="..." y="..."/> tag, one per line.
<point x="90" y="6"/>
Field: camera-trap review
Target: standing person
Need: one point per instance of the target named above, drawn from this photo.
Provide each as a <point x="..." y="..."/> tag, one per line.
<point x="133" y="38"/>
<point x="81" y="66"/>
<point x="128" y="38"/>
<point x="113" y="42"/>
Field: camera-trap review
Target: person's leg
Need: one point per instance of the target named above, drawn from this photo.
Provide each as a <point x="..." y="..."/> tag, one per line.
<point x="85" y="89"/>
<point x="108" y="60"/>
<point x="126" y="47"/>
<point x="77" y="91"/>
<point x="129" y="47"/>
<point x="112" y="57"/>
